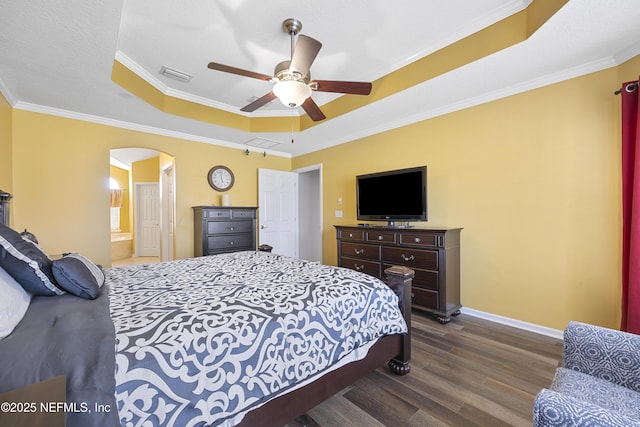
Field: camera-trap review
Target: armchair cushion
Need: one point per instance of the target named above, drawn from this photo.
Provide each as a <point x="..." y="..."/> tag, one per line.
<point x="599" y="383"/>
<point x="602" y="393"/>
<point x="559" y="410"/>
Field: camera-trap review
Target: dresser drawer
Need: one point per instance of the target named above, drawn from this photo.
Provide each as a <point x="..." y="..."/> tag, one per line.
<point x="368" y="267"/>
<point x="211" y="213"/>
<point x="420" y="239"/>
<point x="425" y="298"/>
<point x="229" y="241"/>
<point x="427" y="279"/>
<point x="414" y="258"/>
<point x="381" y="236"/>
<point x="360" y="250"/>
<point x="220" y="227"/>
<point x="352" y="235"/>
<point x="243" y="213"/>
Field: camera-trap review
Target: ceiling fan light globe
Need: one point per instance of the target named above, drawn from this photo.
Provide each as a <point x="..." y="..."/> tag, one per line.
<point x="292" y="93"/>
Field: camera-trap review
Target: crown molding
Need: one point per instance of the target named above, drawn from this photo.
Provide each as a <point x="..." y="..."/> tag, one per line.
<point x="4" y="90"/>
<point x="175" y="93"/>
<point x="549" y="79"/>
<point x="142" y="72"/>
<point x="26" y="106"/>
<point x="627" y="53"/>
<point x="528" y="85"/>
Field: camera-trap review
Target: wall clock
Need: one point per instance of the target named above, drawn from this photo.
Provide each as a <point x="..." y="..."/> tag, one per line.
<point x="220" y="178"/>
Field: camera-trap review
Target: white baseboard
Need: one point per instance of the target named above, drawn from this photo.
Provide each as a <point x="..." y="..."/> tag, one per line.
<point x="532" y="327"/>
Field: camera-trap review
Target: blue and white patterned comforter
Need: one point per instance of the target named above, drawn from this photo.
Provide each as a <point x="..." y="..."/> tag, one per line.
<point x="202" y="341"/>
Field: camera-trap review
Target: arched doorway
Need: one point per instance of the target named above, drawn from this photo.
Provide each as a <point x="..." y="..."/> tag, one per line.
<point x="146" y="225"/>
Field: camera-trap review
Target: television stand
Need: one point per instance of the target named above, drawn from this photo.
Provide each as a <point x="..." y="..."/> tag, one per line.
<point x="434" y="255"/>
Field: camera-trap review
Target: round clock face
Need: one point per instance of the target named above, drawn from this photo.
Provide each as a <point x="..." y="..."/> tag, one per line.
<point x="220" y="178"/>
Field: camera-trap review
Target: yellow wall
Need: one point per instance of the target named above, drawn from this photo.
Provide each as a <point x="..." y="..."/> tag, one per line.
<point x="146" y="170"/>
<point x="61" y="171"/>
<point x="6" y="180"/>
<point x="534" y="179"/>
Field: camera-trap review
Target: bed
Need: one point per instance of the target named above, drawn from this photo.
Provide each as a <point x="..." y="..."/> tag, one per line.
<point x="247" y="338"/>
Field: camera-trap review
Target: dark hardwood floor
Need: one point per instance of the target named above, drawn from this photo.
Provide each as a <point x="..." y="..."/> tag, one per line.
<point x="470" y="372"/>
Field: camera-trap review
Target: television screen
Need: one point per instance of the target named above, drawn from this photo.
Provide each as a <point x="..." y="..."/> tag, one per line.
<point x="393" y="195"/>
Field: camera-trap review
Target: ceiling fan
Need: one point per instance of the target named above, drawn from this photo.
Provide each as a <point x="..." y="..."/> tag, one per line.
<point x="293" y="84"/>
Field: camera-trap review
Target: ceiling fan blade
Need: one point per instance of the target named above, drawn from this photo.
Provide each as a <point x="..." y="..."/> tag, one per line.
<point x="238" y="71"/>
<point x="312" y="109"/>
<point x="304" y="54"/>
<point x="259" y="102"/>
<point x="354" y="88"/>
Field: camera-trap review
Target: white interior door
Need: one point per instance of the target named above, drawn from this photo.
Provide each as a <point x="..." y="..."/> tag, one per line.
<point x="278" y="211"/>
<point x="147" y="208"/>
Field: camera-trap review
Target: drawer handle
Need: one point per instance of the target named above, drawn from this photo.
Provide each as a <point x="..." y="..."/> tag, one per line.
<point x="231" y="243"/>
<point x="409" y="258"/>
<point x="350" y="234"/>
<point x="418" y="240"/>
<point x="358" y="251"/>
<point x="380" y="237"/>
<point x="358" y="267"/>
<point x="231" y="228"/>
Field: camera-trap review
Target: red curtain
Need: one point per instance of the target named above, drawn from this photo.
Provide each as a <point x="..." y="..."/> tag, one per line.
<point x="630" y="209"/>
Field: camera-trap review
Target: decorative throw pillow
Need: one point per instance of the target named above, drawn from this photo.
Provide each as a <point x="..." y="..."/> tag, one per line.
<point x="14" y="301"/>
<point x="26" y="263"/>
<point x="78" y="275"/>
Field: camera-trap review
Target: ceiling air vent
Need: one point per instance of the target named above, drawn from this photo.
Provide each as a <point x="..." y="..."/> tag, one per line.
<point x="175" y="74"/>
<point x="262" y="143"/>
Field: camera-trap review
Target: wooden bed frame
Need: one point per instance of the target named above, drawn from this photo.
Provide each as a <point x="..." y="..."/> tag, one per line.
<point x="394" y="350"/>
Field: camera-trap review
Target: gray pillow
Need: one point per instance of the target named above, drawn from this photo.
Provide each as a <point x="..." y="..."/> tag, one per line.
<point x="78" y="275"/>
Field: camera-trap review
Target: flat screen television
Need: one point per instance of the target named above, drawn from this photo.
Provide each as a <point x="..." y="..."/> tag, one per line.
<point x="397" y="195"/>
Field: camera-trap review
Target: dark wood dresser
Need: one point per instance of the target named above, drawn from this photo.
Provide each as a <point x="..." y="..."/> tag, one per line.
<point x="219" y="229"/>
<point x="4" y="207"/>
<point x="434" y="255"/>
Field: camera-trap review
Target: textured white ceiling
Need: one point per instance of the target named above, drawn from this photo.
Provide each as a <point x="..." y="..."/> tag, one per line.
<point x="57" y="57"/>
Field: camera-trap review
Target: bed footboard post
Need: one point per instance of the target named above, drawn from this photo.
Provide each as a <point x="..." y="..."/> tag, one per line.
<point x="399" y="279"/>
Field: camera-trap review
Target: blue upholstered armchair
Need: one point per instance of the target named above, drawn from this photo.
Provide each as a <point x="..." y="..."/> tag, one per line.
<point x="598" y="384"/>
